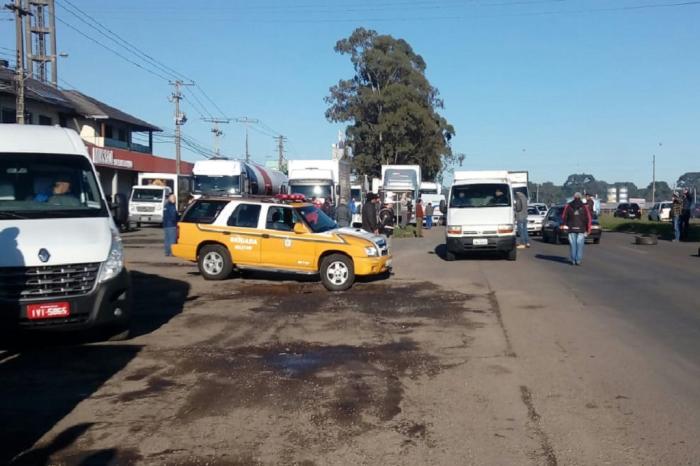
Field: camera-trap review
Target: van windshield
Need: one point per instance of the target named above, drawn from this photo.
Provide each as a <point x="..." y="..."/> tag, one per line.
<point x="147" y="195"/>
<point x="48" y="186"/>
<point x="480" y="195"/>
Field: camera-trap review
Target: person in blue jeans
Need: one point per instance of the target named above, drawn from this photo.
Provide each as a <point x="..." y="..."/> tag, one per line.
<point x="521" y="218"/>
<point x="676" y="215"/>
<point x="576" y="219"/>
<point x="170" y="219"/>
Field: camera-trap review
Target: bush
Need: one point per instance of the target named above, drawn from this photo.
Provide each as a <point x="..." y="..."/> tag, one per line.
<point x="663" y="230"/>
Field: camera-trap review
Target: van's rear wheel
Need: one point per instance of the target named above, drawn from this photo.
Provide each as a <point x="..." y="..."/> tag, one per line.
<point x="450" y="256"/>
<point x="512" y="254"/>
<point x="214" y="262"/>
<point x="337" y="272"/>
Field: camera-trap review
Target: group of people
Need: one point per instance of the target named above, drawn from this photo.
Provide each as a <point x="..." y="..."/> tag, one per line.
<point x="680" y="214"/>
<point x="382" y="219"/>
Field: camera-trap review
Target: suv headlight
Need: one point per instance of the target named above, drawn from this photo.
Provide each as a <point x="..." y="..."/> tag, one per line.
<point x="371" y="251"/>
<point x="115" y="259"/>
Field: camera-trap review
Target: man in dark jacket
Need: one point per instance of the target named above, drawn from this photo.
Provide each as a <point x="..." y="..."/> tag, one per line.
<point x="687" y="201"/>
<point x="521" y="219"/>
<point x="343" y="216"/>
<point x="369" y="214"/>
<point x="576" y="219"/>
<point x="170" y="219"/>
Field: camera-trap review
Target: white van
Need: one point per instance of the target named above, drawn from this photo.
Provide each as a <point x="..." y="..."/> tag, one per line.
<point x="480" y="214"/>
<point x="146" y="204"/>
<point x="61" y="266"/>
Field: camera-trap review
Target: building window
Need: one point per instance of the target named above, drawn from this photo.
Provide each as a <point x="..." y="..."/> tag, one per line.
<point x="9" y="115"/>
<point x="109" y="133"/>
<point x="122" y="134"/>
<point x="45" y="121"/>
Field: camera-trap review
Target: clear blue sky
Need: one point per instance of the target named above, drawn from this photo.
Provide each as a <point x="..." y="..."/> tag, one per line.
<point x="553" y="87"/>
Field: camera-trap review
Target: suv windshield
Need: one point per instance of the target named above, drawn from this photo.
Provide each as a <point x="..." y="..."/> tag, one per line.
<point x="480" y="195"/>
<point x="147" y="195"/>
<point x="48" y="186"/>
<point x="204" y="184"/>
<point x="316" y="219"/>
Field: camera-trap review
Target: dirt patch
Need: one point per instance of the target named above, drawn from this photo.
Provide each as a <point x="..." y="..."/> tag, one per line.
<point x="155" y="386"/>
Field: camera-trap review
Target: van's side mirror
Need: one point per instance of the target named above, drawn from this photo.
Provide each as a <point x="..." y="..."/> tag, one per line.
<point x="443" y="206"/>
<point x="299" y="228"/>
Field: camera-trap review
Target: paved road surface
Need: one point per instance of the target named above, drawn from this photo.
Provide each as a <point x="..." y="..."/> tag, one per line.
<point x="477" y="361"/>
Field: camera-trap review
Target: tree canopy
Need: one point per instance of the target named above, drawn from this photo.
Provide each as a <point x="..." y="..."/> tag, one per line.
<point x="390" y="106"/>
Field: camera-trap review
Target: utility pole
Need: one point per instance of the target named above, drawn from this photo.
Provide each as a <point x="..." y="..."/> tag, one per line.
<point x="280" y="149"/>
<point x="41" y="23"/>
<point x="19" y="79"/>
<point x="247" y="121"/>
<point x="216" y="131"/>
<point x="653" y="183"/>
<point x="180" y="119"/>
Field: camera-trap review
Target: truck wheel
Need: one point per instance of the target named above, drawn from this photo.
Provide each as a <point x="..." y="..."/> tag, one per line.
<point x="214" y="262"/>
<point x="450" y="256"/>
<point x="124" y="334"/>
<point x="512" y="254"/>
<point x="337" y="272"/>
<point x="138" y="224"/>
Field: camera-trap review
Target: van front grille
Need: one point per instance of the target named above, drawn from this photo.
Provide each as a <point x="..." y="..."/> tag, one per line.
<point x="53" y="281"/>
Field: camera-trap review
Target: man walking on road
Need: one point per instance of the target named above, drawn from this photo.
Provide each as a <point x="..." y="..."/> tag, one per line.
<point x="687" y="201"/>
<point x="577" y="220"/>
<point x="419" y="218"/>
<point x="676" y="215"/>
<point x="369" y="214"/>
<point x="429" y="211"/>
<point x="170" y="219"/>
<point x="342" y="214"/>
<point x="521" y="218"/>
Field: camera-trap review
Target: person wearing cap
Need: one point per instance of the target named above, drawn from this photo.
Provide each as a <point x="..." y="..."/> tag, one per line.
<point x="343" y="216"/>
<point x="577" y="220"/>
<point x="676" y="215"/>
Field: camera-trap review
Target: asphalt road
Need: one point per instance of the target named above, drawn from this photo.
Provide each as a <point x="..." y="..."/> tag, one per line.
<point x="477" y="361"/>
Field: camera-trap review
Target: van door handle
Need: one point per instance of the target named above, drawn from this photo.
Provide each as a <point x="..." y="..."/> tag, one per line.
<point x="265" y="235"/>
<point x="225" y="232"/>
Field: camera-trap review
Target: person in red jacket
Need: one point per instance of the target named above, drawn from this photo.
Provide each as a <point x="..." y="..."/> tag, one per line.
<point x="577" y="220"/>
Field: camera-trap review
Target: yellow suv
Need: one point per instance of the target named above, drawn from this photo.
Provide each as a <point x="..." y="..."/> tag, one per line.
<point x="281" y="235"/>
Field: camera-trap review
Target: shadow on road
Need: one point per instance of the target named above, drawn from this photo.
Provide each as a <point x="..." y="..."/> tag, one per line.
<point x="559" y="259"/>
<point x="157" y="299"/>
<point x="441" y="250"/>
<point x="41" y="386"/>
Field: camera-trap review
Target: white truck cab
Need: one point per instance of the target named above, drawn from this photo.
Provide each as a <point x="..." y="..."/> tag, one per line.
<point x="480" y="215"/>
<point x="146" y="204"/>
<point x="61" y="266"/>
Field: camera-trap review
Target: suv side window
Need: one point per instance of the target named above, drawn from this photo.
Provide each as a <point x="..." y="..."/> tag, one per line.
<point x="204" y="211"/>
<point x="280" y="218"/>
<point x="245" y="216"/>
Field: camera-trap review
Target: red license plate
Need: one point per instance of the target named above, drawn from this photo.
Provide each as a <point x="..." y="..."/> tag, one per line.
<point x="48" y="310"/>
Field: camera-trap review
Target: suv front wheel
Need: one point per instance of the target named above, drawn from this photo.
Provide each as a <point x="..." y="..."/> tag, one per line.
<point x="214" y="262"/>
<point x="337" y="272"/>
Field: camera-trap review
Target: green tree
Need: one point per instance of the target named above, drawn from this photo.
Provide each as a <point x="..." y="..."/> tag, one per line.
<point x="689" y="180"/>
<point x="663" y="191"/>
<point x="390" y="106"/>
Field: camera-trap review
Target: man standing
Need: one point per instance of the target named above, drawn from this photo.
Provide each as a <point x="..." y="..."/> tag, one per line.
<point x="328" y="208"/>
<point x="590" y="204"/>
<point x="342" y="214"/>
<point x="419" y="218"/>
<point x="577" y="220"/>
<point x="429" y="210"/>
<point x="369" y="214"/>
<point x="676" y="214"/>
<point x="170" y="219"/>
<point x="521" y="218"/>
<point x="403" y="211"/>
<point x="687" y="201"/>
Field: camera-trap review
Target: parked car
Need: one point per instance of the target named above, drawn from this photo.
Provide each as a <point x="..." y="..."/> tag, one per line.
<point x="286" y="234"/>
<point x="553" y="233"/>
<point x="695" y="210"/>
<point x="628" y="210"/>
<point x="660" y="212"/>
<point x="541" y="207"/>
<point x="534" y="221"/>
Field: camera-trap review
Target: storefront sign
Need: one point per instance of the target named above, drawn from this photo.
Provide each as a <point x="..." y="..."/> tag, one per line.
<point x="106" y="157"/>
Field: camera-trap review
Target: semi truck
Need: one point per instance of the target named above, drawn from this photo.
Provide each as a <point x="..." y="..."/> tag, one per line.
<point x="320" y="179"/>
<point x="223" y="177"/>
<point x="359" y="188"/>
<point x="431" y="193"/>
<point x="399" y="181"/>
<point x="518" y="181"/>
<point x="182" y="187"/>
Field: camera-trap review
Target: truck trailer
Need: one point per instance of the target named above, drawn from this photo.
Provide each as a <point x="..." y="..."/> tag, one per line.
<point x="320" y="179"/>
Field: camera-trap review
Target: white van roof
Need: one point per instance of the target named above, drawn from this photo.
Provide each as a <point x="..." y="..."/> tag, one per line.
<point x="34" y="139"/>
<point x="490" y="175"/>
